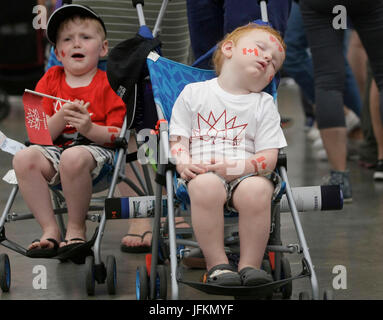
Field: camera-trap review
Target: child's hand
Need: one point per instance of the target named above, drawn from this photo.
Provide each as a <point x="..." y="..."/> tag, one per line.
<point x="190" y="170"/>
<point x="76" y="114"/>
<point x="227" y="168"/>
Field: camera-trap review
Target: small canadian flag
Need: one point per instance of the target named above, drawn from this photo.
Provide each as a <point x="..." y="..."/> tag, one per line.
<point x="248" y="52"/>
<point x="36" y="120"/>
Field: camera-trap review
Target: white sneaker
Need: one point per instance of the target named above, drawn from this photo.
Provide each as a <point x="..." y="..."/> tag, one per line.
<point x="313" y="134"/>
<point x="352" y="121"/>
<point x="321" y="155"/>
<point x="318" y="144"/>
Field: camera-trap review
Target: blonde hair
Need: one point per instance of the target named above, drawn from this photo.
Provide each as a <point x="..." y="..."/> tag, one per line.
<point x="73" y="18"/>
<point x="235" y="35"/>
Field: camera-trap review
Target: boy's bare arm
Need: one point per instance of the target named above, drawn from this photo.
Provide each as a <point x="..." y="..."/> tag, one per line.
<point x="57" y="123"/>
<point x="261" y="162"/>
<point x="77" y="115"/>
<point x="102" y="135"/>
<point x="179" y="149"/>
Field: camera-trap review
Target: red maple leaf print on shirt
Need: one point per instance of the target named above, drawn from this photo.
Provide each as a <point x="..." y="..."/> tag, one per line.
<point x="213" y="128"/>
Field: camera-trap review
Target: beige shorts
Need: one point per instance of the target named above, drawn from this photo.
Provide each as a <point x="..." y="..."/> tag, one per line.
<point x="101" y="155"/>
<point x="272" y="176"/>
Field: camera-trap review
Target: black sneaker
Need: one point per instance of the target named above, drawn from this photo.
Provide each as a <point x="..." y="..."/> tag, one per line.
<point x="378" y="174"/>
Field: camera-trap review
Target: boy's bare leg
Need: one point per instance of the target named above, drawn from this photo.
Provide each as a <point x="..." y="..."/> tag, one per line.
<point x="33" y="171"/>
<point x="252" y="199"/>
<point x="76" y="165"/>
<point x="208" y="196"/>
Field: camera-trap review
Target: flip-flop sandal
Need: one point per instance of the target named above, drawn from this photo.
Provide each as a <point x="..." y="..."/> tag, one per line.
<point x="70" y="246"/>
<point x="77" y="252"/>
<point x="43" y="252"/>
<point x="137" y="249"/>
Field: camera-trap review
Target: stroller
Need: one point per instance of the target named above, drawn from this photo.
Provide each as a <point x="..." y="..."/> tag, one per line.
<point x="168" y="78"/>
<point x="110" y="176"/>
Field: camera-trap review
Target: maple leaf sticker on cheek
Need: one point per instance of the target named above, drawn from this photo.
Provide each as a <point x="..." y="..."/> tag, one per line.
<point x="248" y="52"/>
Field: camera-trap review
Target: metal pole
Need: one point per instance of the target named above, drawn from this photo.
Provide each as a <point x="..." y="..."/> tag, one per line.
<point x="301" y="237"/>
<point x="157" y="26"/>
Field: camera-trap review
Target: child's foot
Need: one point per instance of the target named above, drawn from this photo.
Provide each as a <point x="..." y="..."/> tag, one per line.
<point x="222" y="275"/>
<point x="44" y="243"/>
<point x="74" y="236"/>
<point x="46" y="247"/>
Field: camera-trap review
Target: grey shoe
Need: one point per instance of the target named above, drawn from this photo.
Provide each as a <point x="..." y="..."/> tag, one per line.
<point x="254" y="277"/>
<point x="223" y="275"/>
<point x="342" y="179"/>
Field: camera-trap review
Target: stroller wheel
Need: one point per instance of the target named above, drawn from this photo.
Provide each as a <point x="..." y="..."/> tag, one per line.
<point x="5" y="273"/>
<point x="111" y="274"/>
<point x="287" y="289"/>
<point x="142" y="283"/>
<point x="161" y="283"/>
<point x="89" y="277"/>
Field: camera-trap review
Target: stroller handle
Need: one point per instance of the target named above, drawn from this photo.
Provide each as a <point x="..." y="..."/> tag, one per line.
<point x="263" y="5"/>
<point x="136" y="2"/>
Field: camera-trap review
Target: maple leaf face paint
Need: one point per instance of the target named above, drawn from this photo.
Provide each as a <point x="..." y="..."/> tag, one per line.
<point x="259" y="55"/>
<point x="250" y="51"/>
<point x="79" y="46"/>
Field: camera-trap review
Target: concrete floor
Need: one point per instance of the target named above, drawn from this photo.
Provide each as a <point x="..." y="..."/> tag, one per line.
<point x="350" y="238"/>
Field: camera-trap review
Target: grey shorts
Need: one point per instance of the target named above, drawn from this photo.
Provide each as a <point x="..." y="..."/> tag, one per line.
<point x="272" y="176"/>
<point x="100" y="154"/>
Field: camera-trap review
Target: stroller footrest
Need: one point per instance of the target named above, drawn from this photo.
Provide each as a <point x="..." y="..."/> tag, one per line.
<point x="260" y="291"/>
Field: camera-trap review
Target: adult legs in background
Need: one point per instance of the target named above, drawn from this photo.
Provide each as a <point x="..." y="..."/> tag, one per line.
<point x="298" y="63"/>
<point x="370" y="28"/>
<point x="139" y="230"/>
<point x="368" y="149"/>
<point x="326" y="46"/>
<point x="378" y="129"/>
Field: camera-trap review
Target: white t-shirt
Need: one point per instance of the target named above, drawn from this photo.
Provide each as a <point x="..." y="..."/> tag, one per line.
<point x="220" y="124"/>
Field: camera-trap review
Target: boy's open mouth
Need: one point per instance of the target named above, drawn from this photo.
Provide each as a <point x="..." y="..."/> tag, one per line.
<point x="78" y="56"/>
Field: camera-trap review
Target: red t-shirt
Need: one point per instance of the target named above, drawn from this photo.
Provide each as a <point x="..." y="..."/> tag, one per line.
<point x="106" y="107"/>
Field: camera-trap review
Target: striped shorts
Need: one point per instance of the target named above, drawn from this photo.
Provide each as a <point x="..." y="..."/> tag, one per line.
<point x="100" y="154"/>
